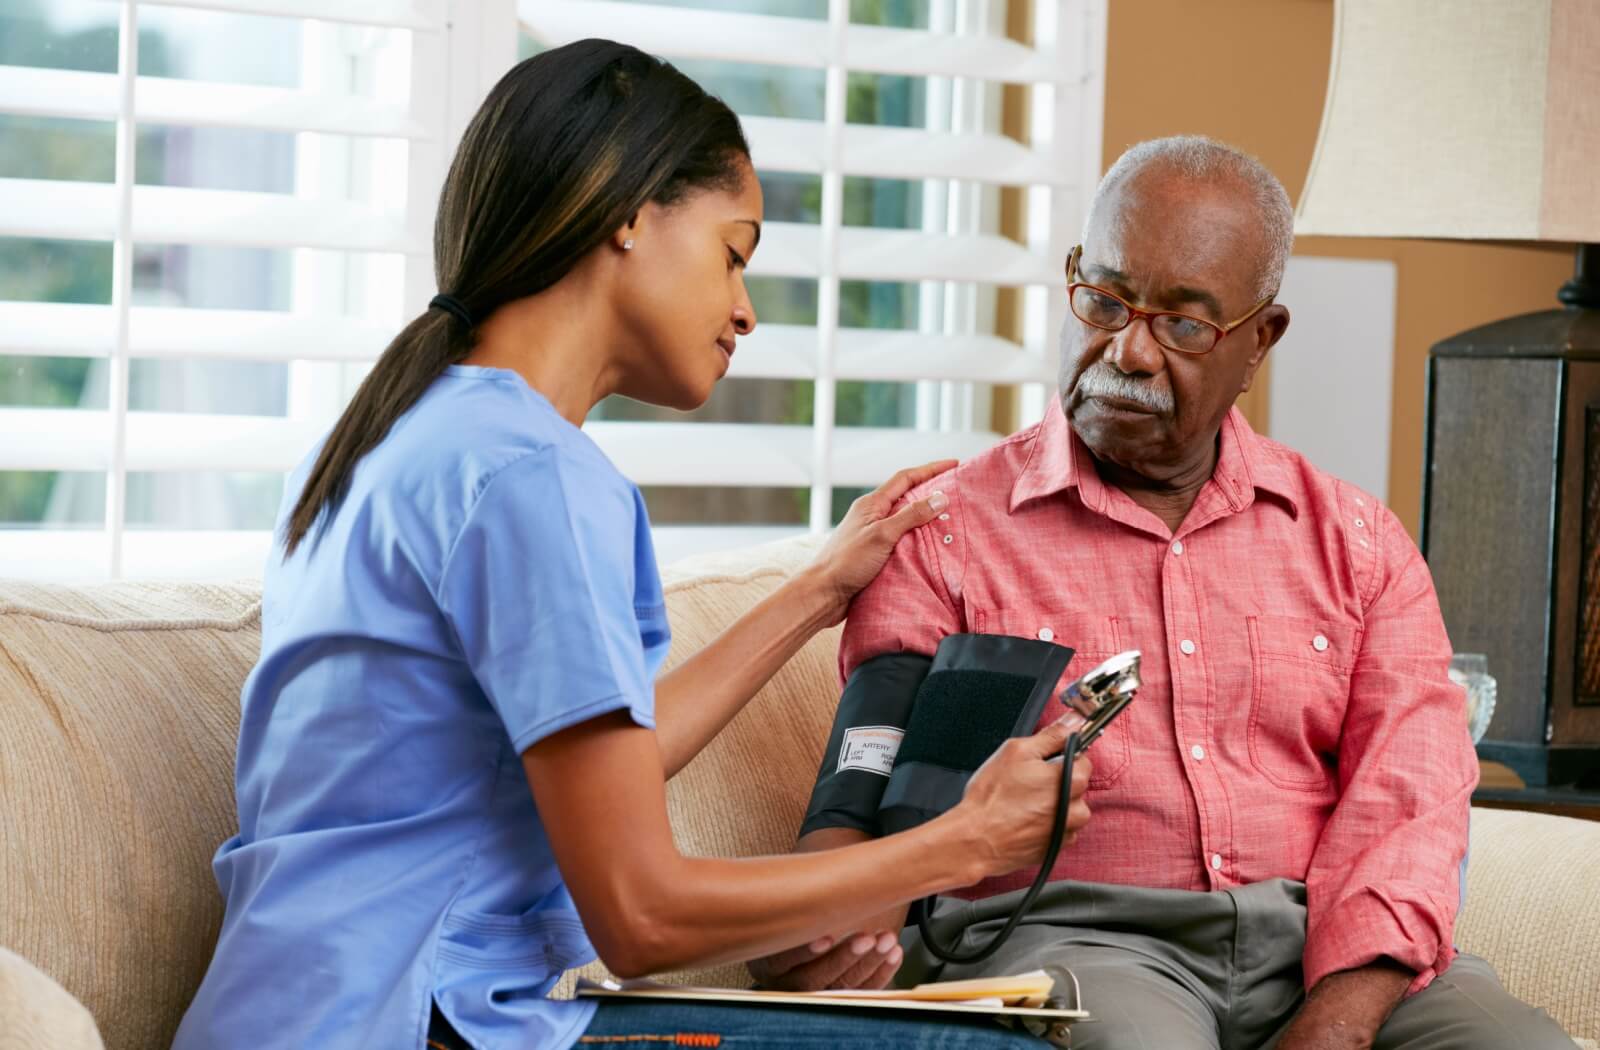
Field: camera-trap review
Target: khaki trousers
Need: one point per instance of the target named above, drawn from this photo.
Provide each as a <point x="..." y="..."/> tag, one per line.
<point x="1175" y="970"/>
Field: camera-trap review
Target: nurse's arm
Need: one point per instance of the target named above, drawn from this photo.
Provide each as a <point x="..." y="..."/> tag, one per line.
<point x="647" y="908"/>
<point x="698" y="697"/>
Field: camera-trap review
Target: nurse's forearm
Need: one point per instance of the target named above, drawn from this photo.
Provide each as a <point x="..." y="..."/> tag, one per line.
<point x="731" y="910"/>
<point x="701" y="695"/>
<point x="647" y="907"/>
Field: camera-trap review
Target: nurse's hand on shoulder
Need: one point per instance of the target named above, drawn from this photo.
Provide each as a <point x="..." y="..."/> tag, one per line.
<point x="862" y="543"/>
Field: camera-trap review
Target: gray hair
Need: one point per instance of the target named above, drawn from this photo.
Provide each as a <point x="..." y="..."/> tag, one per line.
<point x="1204" y="159"/>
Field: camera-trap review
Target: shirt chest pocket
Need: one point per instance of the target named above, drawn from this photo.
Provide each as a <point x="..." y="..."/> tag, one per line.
<point x="1299" y="684"/>
<point x="1095" y="639"/>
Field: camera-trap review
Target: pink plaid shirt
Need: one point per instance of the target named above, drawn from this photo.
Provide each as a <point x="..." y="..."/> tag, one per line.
<point x="1296" y="719"/>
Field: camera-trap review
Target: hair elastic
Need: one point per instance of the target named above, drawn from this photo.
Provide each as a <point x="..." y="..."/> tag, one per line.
<point x="452" y="306"/>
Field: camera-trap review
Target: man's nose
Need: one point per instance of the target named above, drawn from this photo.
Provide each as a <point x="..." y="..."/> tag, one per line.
<point x="1134" y="350"/>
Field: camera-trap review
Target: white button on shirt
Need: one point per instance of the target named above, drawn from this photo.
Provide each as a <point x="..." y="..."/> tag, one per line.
<point x="1320" y="644"/>
<point x="1216" y="862"/>
<point x="1177" y="546"/>
<point x="1198" y="752"/>
<point x="1187" y="646"/>
<point x="1046" y="635"/>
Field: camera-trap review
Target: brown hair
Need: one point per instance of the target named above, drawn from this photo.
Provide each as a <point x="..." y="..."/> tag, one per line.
<point x="568" y="146"/>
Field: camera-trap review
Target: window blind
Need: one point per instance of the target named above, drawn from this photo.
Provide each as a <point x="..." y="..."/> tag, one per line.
<point x="263" y="173"/>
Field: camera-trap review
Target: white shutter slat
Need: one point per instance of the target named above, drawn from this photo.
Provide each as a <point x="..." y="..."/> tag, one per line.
<point x="871" y="254"/>
<point x="424" y="15"/>
<point x="917" y="53"/>
<point x="785" y="144"/>
<point x="887" y="355"/>
<point x="75" y="439"/>
<point x="911" y="153"/>
<point x="159" y="100"/>
<point x="61" y="555"/>
<point x="76" y="330"/>
<point x="171" y="215"/>
<point x="871" y="151"/>
<point x="674" y="543"/>
<point x="676" y="32"/>
<point x="866" y="457"/>
<point x="707" y="453"/>
<point x="776" y="351"/>
<point x="908" y="356"/>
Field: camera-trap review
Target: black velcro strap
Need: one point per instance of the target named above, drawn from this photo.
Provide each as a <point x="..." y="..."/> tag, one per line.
<point x="879" y="694"/>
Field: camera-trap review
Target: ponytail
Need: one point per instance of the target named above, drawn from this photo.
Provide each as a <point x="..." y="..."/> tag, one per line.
<point x="417" y="356"/>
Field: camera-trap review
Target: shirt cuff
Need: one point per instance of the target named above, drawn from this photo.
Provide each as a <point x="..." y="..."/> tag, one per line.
<point x="1375" y="923"/>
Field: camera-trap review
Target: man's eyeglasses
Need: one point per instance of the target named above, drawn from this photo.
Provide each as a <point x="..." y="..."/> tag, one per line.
<point x="1181" y="332"/>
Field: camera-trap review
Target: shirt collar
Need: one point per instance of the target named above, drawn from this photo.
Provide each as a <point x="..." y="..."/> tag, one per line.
<point x="1059" y="460"/>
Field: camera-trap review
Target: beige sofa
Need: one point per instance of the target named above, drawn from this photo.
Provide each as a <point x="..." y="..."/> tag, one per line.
<point x="118" y="708"/>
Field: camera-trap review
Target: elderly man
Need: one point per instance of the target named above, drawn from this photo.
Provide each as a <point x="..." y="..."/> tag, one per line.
<point x="1281" y="815"/>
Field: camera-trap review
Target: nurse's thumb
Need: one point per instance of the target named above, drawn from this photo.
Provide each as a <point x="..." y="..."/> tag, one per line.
<point x="917" y="512"/>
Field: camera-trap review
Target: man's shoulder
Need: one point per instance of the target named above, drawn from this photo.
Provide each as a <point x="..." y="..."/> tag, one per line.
<point x="989" y="474"/>
<point x="1310" y="486"/>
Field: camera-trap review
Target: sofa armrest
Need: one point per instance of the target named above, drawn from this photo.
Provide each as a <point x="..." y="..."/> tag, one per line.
<point x="1532" y="911"/>
<point x="39" y="1013"/>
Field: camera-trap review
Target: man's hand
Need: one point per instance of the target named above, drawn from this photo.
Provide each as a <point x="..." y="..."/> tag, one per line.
<point x="863" y="960"/>
<point x="1345" y="1010"/>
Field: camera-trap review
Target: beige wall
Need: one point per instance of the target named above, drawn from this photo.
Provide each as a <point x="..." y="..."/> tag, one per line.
<point x="1253" y="73"/>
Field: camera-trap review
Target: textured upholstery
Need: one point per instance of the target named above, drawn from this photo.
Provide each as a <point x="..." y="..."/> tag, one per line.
<point x="36" y="1013"/>
<point x="1533" y="909"/>
<point x="119" y="708"/>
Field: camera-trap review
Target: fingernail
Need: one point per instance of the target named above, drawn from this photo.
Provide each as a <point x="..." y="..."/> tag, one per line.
<point x="886" y="942"/>
<point x="861" y="945"/>
<point x="894" y="956"/>
<point x="821" y="945"/>
<point x="938" y="501"/>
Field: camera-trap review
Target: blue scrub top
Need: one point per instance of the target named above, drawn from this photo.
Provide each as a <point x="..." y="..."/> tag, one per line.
<point x="487" y="580"/>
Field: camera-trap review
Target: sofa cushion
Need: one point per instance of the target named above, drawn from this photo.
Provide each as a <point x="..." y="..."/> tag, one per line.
<point x="38" y="1012"/>
<point x="1531" y="911"/>
<point x="120" y="705"/>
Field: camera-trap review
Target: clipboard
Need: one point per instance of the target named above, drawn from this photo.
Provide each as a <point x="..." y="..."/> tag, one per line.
<point x="1016" y="997"/>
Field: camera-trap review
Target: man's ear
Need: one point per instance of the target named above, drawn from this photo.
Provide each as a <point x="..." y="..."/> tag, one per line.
<point x="1272" y="323"/>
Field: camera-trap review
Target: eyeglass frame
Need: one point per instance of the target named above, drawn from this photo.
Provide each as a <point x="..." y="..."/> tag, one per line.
<point x="1134" y="312"/>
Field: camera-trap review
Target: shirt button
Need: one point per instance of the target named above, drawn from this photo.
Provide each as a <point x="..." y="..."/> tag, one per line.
<point x="1177" y="546"/>
<point x="1046" y="635"/>
<point x="1216" y="862"/>
<point x="1187" y="647"/>
<point x="1198" y="752"/>
<point x="944" y="517"/>
<point x="1360" y="524"/>
<point x="949" y="539"/>
<point x="1320" y="644"/>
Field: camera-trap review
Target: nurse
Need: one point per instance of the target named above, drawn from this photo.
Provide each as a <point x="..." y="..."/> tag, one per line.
<point x="453" y="752"/>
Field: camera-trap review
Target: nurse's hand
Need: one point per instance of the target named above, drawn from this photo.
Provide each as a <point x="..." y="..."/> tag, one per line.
<point x="862" y="543"/>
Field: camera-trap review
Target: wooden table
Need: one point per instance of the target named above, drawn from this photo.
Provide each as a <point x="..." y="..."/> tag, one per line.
<point x="1500" y="788"/>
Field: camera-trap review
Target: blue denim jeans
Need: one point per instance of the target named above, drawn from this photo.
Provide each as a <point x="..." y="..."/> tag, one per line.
<point x="633" y="1023"/>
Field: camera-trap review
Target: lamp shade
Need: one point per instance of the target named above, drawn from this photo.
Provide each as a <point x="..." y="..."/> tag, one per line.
<point x="1466" y="119"/>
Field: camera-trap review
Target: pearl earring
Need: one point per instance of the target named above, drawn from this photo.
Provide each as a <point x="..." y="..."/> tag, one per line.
<point x="627" y="245"/>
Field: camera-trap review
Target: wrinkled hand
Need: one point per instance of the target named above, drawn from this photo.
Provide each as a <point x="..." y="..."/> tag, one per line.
<point x="862" y="960"/>
<point x="862" y="543"/>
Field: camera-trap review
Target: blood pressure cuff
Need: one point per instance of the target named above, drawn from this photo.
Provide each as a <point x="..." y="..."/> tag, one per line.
<point x="910" y="731"/>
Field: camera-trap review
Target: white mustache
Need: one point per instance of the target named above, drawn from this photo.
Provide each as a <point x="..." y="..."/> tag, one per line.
<point x="1101" y="380"/>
